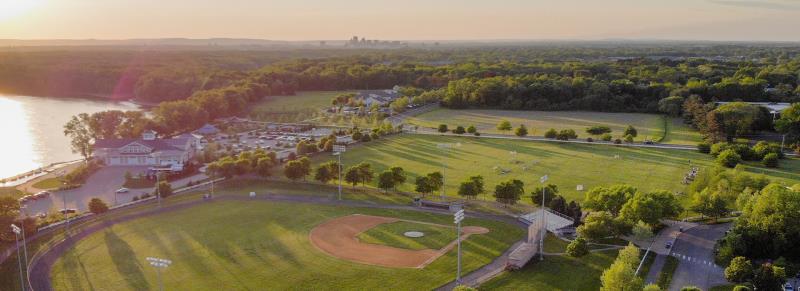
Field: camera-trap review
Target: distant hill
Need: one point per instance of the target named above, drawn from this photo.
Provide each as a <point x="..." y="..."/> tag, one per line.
<point x="166" y="42"/>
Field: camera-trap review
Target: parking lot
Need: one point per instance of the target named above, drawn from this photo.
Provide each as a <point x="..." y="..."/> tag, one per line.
<point x="283" y="143"/>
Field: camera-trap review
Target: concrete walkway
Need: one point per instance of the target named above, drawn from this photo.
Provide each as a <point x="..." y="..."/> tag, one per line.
<point x="655" y="269"/>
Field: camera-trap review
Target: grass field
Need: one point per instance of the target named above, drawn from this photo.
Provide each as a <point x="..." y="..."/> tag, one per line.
<point x="567" y="165"/>
<point x="49" y="183"/>
<point x="293" y="108"/>
<point x="649" y="126"/>
<point x="391" y="234"/>
<point x="556" y="273"/>
<point x="247" y="246"/>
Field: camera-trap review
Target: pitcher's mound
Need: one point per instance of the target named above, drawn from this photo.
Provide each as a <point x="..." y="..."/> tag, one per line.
<point x="337" y="237"/>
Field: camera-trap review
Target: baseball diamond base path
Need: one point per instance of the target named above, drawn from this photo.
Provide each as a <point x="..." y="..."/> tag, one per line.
<point x="338" y="237"/>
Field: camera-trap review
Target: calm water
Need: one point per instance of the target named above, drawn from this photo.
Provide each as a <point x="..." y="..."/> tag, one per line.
<point x="33" y="134"/>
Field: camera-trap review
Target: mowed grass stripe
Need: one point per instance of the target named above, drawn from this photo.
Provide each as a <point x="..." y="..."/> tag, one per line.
<point x="567" y="165"/>
<point x="649" y="126"/>
<point x="252" y="246"/>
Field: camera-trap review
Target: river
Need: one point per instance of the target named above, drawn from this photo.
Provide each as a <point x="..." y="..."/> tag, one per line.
<point x="33" y="133"/>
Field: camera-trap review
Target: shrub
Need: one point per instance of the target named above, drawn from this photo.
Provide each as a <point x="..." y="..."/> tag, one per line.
<point x="551" y="133"/>
<point x="770" y="160"/>
<point x="442" y="128"/>
<point x="598" y="130"/>
<point x="97" y="206"/>
<point x="762" y="148"/>
<point x="606" y="137"/>
<point x="472" y="129"/>
<point x="459" y="130"/>
<point x="477" y="134"/>
<point x="566" y="134"/>
<point x="630" y="130"/>
<point x="366" y="138"/>
<point x="729" y="158"/>
<point x="629" y="138"/>
<point x="589" y="139"/>
<point x="704" y="147"/>
<point x="617" y="141"/>
<point x="578" y="247"/>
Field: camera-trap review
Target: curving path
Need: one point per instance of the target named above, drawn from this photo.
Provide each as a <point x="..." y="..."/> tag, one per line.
<point x="39" y="276"/>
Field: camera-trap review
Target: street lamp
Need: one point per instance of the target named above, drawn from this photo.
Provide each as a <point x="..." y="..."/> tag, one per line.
<point x="457" y="218"/>
<point x="338" y="150"/>
<point x="543" y="230"/>
<point x="24" y="243"/>
<point x="446" y="146"/>
<point x="159" y="264"/>
<point x="17" y="231"/>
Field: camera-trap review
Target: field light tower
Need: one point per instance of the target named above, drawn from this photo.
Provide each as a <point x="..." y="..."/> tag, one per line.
<point x="544" y="224"/>
<point x="17" y="232"/>
<point x="338" y="150"/>
<point x="159" y="264"/>
<point x="457" y="218"/>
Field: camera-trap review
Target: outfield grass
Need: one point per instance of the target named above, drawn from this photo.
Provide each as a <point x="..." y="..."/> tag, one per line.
<point x="293" y="108"/>
<point x="247" y="246"/>
<point x="649" y="126"/>
<point x="391" y="234"/>
<point x="556" y="273"/>
<point x="567" y="165"/>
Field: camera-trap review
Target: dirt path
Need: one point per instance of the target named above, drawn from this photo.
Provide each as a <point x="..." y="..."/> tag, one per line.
<point x="338" y="237"/>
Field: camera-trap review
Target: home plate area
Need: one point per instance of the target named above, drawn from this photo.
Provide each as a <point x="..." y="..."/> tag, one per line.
<point x="339" y="237"/>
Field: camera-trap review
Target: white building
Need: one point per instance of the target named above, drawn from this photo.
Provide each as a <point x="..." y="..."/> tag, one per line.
<point x="147" y="151"/>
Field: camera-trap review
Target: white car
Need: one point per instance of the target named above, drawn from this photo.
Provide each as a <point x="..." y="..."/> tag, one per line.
<point x="123" y="190"/>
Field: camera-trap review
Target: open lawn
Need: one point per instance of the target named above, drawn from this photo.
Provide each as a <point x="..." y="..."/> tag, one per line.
<point x="568" y="165"/>
<point x="556" y="273"/>
<point x="251" y="245"/>
<point x="649" y="126"/>
<point x="293" y="108"/>
<point x="48" y="184"/>
<point x="391" y="234"/>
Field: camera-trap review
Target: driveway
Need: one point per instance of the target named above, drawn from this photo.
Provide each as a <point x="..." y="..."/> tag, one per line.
<point x="100" y="185"/>
<point x="695" y="251"/>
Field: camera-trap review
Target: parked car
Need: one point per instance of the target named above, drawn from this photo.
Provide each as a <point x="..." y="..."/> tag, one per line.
<point x="788" y="287"/>
<point x="68" y="211"/>
<point x="668" y="245"/>
<point x="42" y="194"/>
<point x="123" y="190"/>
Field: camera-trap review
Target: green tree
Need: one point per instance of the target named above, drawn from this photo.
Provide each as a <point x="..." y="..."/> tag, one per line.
<point x="672" y="106"/>
<point x="566" y="134"/>
<point x="789" y="123"/>
<point x="732" y="119"/>
<point x="521" y="130"/>
<point x="297" y="169"/>
<point x="598" y="130"/>
<point x="651" y="207"/>
<point x="606" y="137"/>
<point x="472" y="129"/>
<point x="768" y="277"/>
<point x="9" y="210"/>
<point x="740" y="270"/>
<point x="651" y="287"/>
<point x="630" y="130"/>
<point x="551" y="133"/>
<point x="352" y="175"/>
<point x="399" y="175"/>
<point x="436" y="181"/>
<point x="729" y="158"/>
<point x="323" y="174"/>
<point x="459" y="130"/>
<point x="386" y="181"/>
<point x="709" y="203"/>
<point x="597" y="225"/>
<point x="609" y="199"/>
<point x="504" y="125"/>
<point x="621" y="275"/>
<point x="509" y="192"/>
<point x="628" y="138"/>
<point x="770" y="160"/>
<point x="365" y="173"/>
<point x="550" y="191"/>
<point x="263" y="167"/>
<point x="97" y="206"/>
<point x="81" y="137"/>
<point x="443" y="128"/>
<point x="164" y="189"/>
<point x="578" y="247"/>
<point x="423" y="185"/>
<point x="690" y="288"/>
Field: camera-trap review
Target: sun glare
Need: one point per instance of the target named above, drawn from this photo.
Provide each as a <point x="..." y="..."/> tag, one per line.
<point x="11" y="8"/>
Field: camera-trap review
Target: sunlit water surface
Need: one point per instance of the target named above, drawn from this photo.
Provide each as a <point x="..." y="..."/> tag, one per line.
<point x="33" y="129"/>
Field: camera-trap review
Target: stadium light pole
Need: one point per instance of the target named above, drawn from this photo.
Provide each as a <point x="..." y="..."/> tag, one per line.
<point x="457" y="218"/>
<point x="17" y="231"/>
<point x="544" y="224"/>
<point x="158" y="194"/>
<point x="24" y="242"/>
<point x="159" y="264"/>
<point x="338" y="150"/>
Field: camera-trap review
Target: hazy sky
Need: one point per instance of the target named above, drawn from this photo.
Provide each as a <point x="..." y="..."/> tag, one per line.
<point x="403" y="19"/>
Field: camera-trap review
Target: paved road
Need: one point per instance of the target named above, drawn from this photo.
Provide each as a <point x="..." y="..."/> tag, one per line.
<point x="694" y="249"/>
